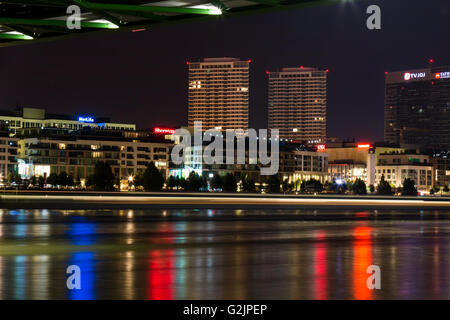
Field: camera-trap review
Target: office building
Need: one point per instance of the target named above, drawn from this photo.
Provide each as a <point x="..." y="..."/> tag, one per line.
<point x="219" y="93"/>
<point x="396" y="167"/>
<point x="39" y="118"/>
<point x="52" y="150"/>
<point x="441" y="166"/>
<point x="417" y="108"/>
<point x="8" y="154"/>
<point x="297" y="103"/>
<point x="350" y="160"/>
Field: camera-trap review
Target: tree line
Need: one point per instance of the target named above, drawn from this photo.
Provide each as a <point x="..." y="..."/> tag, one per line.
<point x="151" y="179"/>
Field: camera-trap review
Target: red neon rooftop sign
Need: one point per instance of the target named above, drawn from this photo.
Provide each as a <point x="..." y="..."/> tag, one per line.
<point x="363" y="145"/>
<point x="321" y="147"/>
<point x="164" y="130"/>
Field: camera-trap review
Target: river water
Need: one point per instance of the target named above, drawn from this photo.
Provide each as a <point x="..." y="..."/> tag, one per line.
<point x="224" y="254"/>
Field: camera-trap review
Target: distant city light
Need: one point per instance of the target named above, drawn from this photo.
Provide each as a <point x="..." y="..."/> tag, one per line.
<point x="339" y="181"/>
<point x="363" y="145"/>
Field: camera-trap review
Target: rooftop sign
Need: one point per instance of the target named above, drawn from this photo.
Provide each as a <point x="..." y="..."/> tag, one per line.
<point x="164" y="130"/>
<point x="86" y="119"/>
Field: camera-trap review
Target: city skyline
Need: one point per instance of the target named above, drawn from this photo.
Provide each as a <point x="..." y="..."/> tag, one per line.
<point x="100" y="83"/>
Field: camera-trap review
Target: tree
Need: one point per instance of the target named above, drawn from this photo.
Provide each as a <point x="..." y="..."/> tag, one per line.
<point x="178" y="182"/>
<point x="33" y="181"/>
<point x="248" y="185"/>
<point x="409" y="188"/>
<point x="77" y="182"/>
<point x="384" y="188"/>
<point x="230" y="183"/>
<point x="329" y="186"/>
<point x="286" y="186"/>
<point x="138" y="178"/>
<point x="273" y="184"/>
<point x="89" y="180"/>
<point x="183" y="184"/>
<point x="194" y="181"/>
<point x="445" y="189"/>
<point x="216" y="182"/>
<point x="152" y="179"/>
<point x="372" y="188"/>
<point x="41" y="181"/>
<point x="312" y="185"/>
<point x="103" y="177"/>
<point x="297" y="185"/>
<point x="171" y="182"/>
<point x="359" y="187"/>
<point x="62" y="179"/>
<point x="52" y="179"/>
<point x="14" y="177"/>
<point x="70" y="181"/>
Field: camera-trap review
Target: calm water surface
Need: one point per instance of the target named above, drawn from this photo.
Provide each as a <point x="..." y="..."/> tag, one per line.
<point x="224" y="254"/>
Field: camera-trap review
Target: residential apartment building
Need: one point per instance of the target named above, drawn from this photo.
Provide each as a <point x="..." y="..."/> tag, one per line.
<point x="297" y="103"/>
<point x="218" y="93"/>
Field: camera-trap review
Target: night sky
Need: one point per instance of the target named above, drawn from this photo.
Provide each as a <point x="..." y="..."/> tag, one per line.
<point x="142" y="77"/>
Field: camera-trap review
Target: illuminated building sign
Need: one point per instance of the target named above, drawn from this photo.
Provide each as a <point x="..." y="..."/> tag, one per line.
<point x="321" y="147"/>
<point x="363" y="146"/>
<point x="408" y="75"/>
<point x="164" y="130"/>
<point x="86" y="119"/>
<point x="442" y="75"/>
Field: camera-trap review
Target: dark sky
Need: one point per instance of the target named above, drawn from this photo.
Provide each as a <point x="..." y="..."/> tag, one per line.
<point x="142" y="77"/>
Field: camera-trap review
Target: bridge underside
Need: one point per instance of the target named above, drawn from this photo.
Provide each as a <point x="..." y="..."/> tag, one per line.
<point x="23" y="21"/>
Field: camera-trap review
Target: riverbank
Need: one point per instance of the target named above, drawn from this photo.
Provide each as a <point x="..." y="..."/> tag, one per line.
<point x="96" y="200"/>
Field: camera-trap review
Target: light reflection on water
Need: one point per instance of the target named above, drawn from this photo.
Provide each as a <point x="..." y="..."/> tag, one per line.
<point x="224" y="254"/>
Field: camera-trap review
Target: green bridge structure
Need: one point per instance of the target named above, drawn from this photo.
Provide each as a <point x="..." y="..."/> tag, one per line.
<point x="25" y="21"/>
